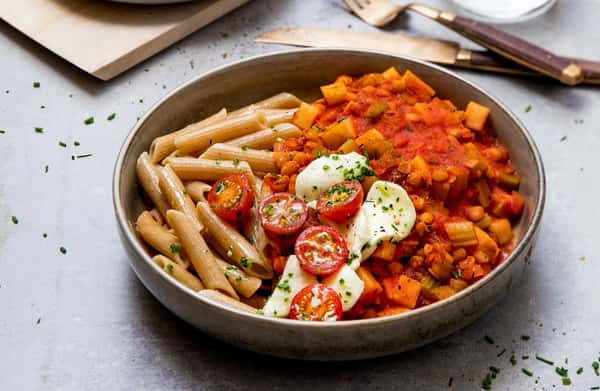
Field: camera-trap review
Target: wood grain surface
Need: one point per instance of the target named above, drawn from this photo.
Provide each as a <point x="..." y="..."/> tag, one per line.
<point x="105" y="38"/>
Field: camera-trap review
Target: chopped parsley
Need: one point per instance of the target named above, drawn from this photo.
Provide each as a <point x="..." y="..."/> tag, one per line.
<point x="244" y="262"/>
<point x="111" y="117"/>
<point x="169" y="268"/>
<point x="528" y="108"/>
<point x="62" y="144"/>
<point x="244" y="147"/>
<point x="88" y="121"/>
<point x="76" y="143"/>
<point x="37" y="84"/>
<point x="596" y="368"/>
<point x="39" y="130"/>
<point x="220" y="187"/>
<point x="562" y="371"/>
<point x="580" y="370"/>
<point x="285" y="286"/>
<point x="14" y="219"/>
<point x="236" y="162"/>
<point x="175" y="247"/>
<point x="342" y="281"/>
<point x="62" y="250"/>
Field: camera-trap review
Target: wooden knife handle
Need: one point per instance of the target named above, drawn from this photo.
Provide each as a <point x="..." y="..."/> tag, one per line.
<point x="591" y="69"/>
<point x="516" y="49"/>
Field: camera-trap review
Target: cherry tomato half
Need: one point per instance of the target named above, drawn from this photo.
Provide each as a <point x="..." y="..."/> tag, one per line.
<point x="231" y="197"/>
<point x="282" y="214"/>
<point x="321" y="250"/>
<point x="316" y="302"/>
<point x="341" y="200"/>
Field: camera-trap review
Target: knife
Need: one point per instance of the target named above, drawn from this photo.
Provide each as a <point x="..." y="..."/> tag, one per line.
<point x="438" y="51"/>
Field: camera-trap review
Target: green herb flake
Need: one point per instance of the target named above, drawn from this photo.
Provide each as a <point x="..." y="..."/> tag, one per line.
<point x="111" y="117"/>
<point x="169" y="268"/>
<point x="38" y="321"/>
<point x="544" y="360"/>
<point x="244" y="262"/>
<point x="84" y="156"/>
<point x="525" y="337"/>
<point x="527" y="372"/>
<point x="2" y="131"/>
<point x="488" y="339"/>
<point x="88" y="121"/>
<point x="513" y="360"/>
<point x="62" y="250"/>
<point x="46" y="168"/>
<point x="579" y="370"/>
<point x="562" y="371"/>
<point x="486" y="383"/>
<point x="37" y="84"/>
<point x="14" y="219"/>
<point x="244" y="147"/>
<point x="595" y="388"/>
<point x="285" y="286"/>
<point x="44" y="235"/>
<point x="325" y="167"/>
<point x="76" y="143"/>
<point x="236" y="162"/>
<point x="62" y="144"/>
<point x="39" y="130"/>
<point x="175" y="247"/>
<point x="596" y="368"/>
<point x="528" y="108"/>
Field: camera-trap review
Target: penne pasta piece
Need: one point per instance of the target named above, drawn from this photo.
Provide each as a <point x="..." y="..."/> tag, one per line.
<point x="148" y="178"/>
<point x="283" y="100"/>
<point x="261" y="161"/>
<point x="198" y="140"/>
<point x="254" y="231"/>
<point x="160" y="239"/>
<point x="173" y="188"/>
<point x="243" y="284"/>
<point x="162" y="146"/>
<point x="255" y="301"/>
<point x="220" y="298"/>
<point x="197" y="190"/>
<point x="232" y="245"/>
<point x="178" y="272"/>
<point x="157" y="216"/>
<point x="277" y="116"/>
<point x="191" y="169"/>
<point x="200" y="255"/>
<point x="264" y="139"/>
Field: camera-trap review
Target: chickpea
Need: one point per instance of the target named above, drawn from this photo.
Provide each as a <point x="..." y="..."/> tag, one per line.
<point x="475" y="213"/>
<point x="418" y="202"/>
<point x="290" y="167"/>
<point x="459" y="254"/>
<point x="426" y="217"/>
<point x="439" y="175"/>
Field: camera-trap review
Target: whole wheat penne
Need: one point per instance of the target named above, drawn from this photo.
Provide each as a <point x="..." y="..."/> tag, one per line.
<point x="160" y="239"/>
<point x="191" y="169"/>
<point x="253" y="230"/>
<point x="148" y="178"/>
<point x="162" y="146"/>
<point x="197" y="190"/>
<point x="178" y="273"/>
<point x="243" y="284"/>
<point x="261" y="161"/>
<point x="160" y="219"/>
<point x="255" y="301"/>
<point x="220" y="298"/>
<point x="173" y="188"/>
<point x="283" y="100"/>
<point x="232" y="245"/>
<point x="200" y="255"/>
<point x="198" y="140"/>
<point x="264" y="139"/>
<point x="277" y="116"/>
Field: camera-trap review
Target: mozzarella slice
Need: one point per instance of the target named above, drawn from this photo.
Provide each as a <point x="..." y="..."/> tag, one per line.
<point x="386" y="214"/>
<point x="293" y="279"/>
<point x="326" y="171"/>
<point x="345" y="282"/>
<point x="348" y="286"/>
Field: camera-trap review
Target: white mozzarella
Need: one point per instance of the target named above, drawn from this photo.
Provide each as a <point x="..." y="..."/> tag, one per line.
<point x="386" y="214"/>
<point x="326" y="171"/>
<point x="348" y="286"/>
<point x="293" y="279"/>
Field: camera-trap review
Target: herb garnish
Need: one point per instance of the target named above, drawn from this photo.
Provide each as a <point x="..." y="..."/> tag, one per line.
<point x="88" y="121"/>
<point x="39" y="130"/>
<point x="527" y="372"/>
<point x="244" y="262"/>
<point x="14" y="219"/>
<point x="36" y="84"/>
<point x="528" y="108"/>
<point x="111" y="117"/>
<point x="175" y="247"/>
<point x="62" y="144"/>
<point x="544" y="360"/>
<point x="62" y="250"/>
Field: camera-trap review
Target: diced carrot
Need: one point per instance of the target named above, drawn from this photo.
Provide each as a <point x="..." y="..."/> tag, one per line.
<point x="402" y="290"/>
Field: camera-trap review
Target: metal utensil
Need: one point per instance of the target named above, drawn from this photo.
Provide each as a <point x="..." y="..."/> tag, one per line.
<point x="381" y="12"/>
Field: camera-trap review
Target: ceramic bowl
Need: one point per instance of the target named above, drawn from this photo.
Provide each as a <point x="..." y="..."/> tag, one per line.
<point x="302" y="72"/>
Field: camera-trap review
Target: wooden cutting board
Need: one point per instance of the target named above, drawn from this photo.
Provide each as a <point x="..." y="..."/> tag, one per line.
<point x="105" y="38"/>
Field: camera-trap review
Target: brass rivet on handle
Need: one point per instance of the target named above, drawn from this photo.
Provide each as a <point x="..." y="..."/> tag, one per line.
<point x="572" y="74"/>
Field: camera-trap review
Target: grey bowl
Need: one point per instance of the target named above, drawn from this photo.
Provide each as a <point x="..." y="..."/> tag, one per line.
<point x="301" y="72"/>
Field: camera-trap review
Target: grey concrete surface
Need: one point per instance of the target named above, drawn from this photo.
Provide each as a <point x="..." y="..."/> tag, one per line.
<point x="82" y="321"/>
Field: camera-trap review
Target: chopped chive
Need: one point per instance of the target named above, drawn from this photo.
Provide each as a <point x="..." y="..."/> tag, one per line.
<point x="84" y="156"/>
<point x="170" y="269"/>
<point x="2" y="131"/>
<point x="528" y="108"/>
<point x="527" y="372"/>
<point x="62" y="144"/>
<point x="513" y="360"/>
<point x="595" y="388"/>
<point x="244" y="147"/>
<point x="111" y="117"/>
<point x="596" y="367"/>
<point x="488" y="339"/>
<point x="566" y="381"/>
<point x="544" y="360"/>
<point x="46" y="168"/>
<point x="76" y="143"/>
<point x="62" y="250"/>
<point x="39" y="130"/>
<point x="14" y="219"/>
<point x="236" y="162"/>
<point x="562" y="371"/>
<point x="580" y="370"/>
<point x="36" y="84"/>
<point x="503" y="350"/>
<point x="175" y="247"/>
<point x="88" y="121"/>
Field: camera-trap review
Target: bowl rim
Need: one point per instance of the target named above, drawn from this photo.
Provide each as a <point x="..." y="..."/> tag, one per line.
<point x="522" y="246"/>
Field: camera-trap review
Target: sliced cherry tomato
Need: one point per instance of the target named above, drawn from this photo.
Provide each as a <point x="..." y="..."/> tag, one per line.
<point x="321" y="250"/>
<point x="341" y="200"/>
<point x="231" y="197"/>
<point x="282" y="214"/>
<point x="316" y="302"/>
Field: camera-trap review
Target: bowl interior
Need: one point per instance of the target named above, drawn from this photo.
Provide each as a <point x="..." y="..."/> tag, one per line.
<point x="301" y="73"/>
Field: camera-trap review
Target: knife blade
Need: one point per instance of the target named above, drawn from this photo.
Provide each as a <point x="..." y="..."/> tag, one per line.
<point x="438" y="51"/>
